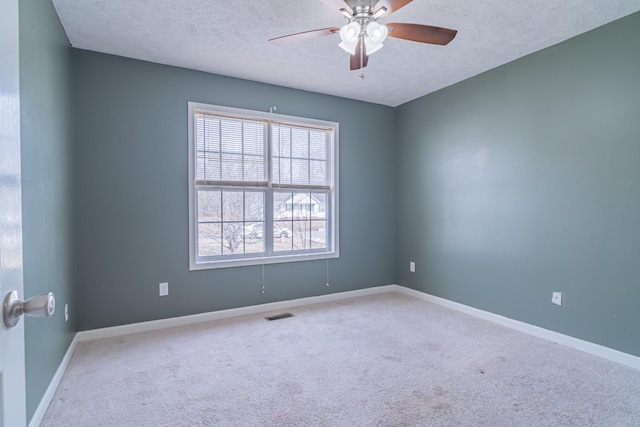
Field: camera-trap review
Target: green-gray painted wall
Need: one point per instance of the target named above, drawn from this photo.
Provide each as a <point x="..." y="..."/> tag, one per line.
<point x="526" y="180"/>
<point x="132" y="197"/>
<point x="46" y="134"/>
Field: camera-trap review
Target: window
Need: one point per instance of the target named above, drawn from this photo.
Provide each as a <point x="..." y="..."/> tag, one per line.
<point x="262" y="188"/>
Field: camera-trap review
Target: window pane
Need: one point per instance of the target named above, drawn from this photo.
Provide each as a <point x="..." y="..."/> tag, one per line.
<point x="319" y="205"/>
<point x="254" y="138"/>
<point x="199" y="167"/>
<point x="254" y="237"/>
<point x="306" y="163"/>
<point x="231" y="133"/>
<point x="209" y="240"/>
<point x="302" y="205"/>
<point x="318" y="145"/>
<point x="211" y="134"/>
<point x="275" y="169"/>
<point x="318" y="172"/>
<point x="209" y="206"/>
<point x="283" y="225"/>
<point x="231" y="167"/>
<point x="282" y="233"/>
<point x="300" y="143"/>
<point x="253" y="168"/>
<point x="229" y="150"/>
<point x="285" y="171"/>
<point x="318" y="234"/>
<point x="232" y="206"/>
<point x="301" y="234"/>
<point x="254" y="206"/>
<point x="230" y="222"/>
<point x="207" y="147"/>
<point x="282" y="138"/>
<point x="299" y="171"/>
<point x="232" y="238"/>
<point x="282" y="207"/>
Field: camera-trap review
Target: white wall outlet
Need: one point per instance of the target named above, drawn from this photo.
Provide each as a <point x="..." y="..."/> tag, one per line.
<point x="66" y="312"/>
<point x="412" y="266"/>
<point x="556" y="298"/>
<point x="164" y="289"/>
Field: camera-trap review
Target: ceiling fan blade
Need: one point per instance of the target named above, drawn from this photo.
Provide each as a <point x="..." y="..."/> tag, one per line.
<point x="360" y="59"/>
<point x="422" y="33"/>
<point x="306" y="35"/>
<point x="391" y="5"/>
<point x="338" y="5"/>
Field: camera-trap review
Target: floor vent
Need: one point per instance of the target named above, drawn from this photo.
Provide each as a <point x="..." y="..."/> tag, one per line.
<point x="279" y="316"/>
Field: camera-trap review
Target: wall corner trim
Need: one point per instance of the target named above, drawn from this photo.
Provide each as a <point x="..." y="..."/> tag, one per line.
<point x="566" y="340"/>
<point x="41" y="410"/>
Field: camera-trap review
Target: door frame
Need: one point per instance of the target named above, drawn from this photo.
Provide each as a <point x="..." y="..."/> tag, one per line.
<point x="12" y="368"/>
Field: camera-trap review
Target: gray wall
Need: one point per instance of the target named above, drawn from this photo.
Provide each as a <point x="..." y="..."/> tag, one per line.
<point x="526" y="180"/>
<point x="46" y="133"/>
<point x="132" y="199"/>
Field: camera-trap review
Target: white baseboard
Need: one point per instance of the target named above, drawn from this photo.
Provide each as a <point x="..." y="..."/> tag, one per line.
<point x="38" y="415"/>
<point x="225" y="314"/>
<point x="578" y="344"/>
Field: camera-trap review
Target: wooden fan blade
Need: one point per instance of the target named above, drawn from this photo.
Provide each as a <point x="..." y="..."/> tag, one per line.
<point x="306" y="35"/>
<point x="422" y="33"/>
<point x="360" y="59"/>
<point x="391" y="5"/>
<point x="338" y="5"/>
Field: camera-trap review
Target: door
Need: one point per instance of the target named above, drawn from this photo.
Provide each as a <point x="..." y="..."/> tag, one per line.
<point x="12" y="371"/>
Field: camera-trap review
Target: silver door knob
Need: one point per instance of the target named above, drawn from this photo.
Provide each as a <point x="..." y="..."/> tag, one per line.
<point x="39" y="306"/>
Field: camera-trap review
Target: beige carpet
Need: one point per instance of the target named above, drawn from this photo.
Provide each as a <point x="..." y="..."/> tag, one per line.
<point x="385" y="360"/>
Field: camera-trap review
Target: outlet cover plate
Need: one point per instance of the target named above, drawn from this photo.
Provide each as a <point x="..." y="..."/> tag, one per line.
<point x="412" y="267"/>
<point x="164" y="289"/>
<point x="556" y="298"/>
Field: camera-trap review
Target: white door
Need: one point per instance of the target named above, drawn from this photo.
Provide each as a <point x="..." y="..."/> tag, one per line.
<point x="12" y="373"/>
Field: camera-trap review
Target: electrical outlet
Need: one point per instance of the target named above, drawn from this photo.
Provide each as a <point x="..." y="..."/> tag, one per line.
<point x="164" y="289"/>
<point x="412" y="267"/>
<point x="66" y="312"/>
<point x="556" y="298"/>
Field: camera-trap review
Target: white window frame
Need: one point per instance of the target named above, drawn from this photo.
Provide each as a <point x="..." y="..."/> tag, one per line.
<point x="332" y="250"/>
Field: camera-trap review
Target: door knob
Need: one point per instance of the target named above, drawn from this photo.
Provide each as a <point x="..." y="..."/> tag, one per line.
<point x="39" y="306"/>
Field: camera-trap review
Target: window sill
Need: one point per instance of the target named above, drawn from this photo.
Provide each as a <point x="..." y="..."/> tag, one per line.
<point x="244" y="262"/>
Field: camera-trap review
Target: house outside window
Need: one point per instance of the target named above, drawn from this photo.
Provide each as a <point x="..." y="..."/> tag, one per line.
<point x="262" y="187"/>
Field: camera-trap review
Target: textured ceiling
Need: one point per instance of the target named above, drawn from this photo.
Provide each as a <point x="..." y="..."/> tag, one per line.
<point x="230" y="38"/>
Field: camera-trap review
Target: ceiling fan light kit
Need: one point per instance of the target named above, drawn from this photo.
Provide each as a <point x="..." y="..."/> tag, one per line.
<point x="363" y="35"/>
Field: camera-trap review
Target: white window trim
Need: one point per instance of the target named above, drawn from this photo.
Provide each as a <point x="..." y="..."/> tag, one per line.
<point x="332" y="252"/>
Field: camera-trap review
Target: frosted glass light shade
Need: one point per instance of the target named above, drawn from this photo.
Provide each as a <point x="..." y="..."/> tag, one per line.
<point x="376" y="34"/>
<point x="350" y="34"/>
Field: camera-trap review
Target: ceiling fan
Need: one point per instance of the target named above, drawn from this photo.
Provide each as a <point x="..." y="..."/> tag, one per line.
<point x="363" y="35"/>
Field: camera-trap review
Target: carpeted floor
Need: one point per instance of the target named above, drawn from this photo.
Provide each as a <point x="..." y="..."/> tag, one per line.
<point x="384" y="360"/>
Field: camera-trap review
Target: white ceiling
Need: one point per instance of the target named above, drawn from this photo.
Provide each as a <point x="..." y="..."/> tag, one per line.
<point x="230" y="38"/>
